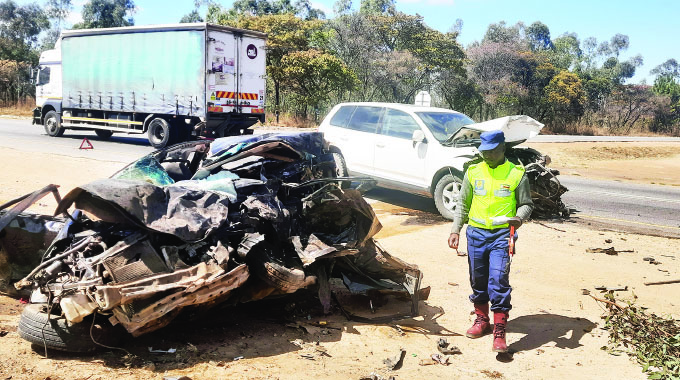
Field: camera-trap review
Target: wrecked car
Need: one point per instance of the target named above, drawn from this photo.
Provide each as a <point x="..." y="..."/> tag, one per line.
<point x="203" y="223"/>
<point x="423" y="150"/>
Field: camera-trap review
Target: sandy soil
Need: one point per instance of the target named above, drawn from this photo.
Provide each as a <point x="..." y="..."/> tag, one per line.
<point x="554" y="329"/>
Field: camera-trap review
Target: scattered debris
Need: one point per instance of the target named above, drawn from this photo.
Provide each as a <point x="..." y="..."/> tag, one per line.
<point x="3" y="333"/>
<point x="608" y="241"/>
<point x="395" y="362"/>
<point x="492" y="374"/>
<point x="546" y="226"/>
<point x="170" y="351"/>
<point x="650" y="339"/>
<point x="651" y="260"/>
<point x="585" y="292"/>
<point x="176" y="378"/>
<point x="609" y="251"/>
<point x="238" y="358"/>
<point x="663" y="282"/>
<point x="446" y="348"/>
<point x="438" y="358"/>
<point x="612" y="289"/>
<point x="453" y="284"/>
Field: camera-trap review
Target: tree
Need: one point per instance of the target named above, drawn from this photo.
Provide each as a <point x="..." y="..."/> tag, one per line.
<point x="378" y="7"/>
<point x="192" y="16"/>
<point x="566" y="98"/>
<point x="107" y="14"/>
<point x="669" y="68"/>
<point x="20" y="27"/>
<point x="311" y="76"/>
<point x="538" y="35"/>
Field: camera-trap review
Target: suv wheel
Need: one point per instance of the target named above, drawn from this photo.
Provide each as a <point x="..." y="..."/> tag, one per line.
<point x="446" y="195"/>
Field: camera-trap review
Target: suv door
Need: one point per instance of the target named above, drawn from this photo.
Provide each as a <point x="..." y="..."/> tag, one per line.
<point x="397" y="158"/>
<point x="353" y="130"/>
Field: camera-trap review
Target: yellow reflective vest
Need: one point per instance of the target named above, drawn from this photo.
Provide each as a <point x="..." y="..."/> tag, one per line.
<point x="494" y="193"/>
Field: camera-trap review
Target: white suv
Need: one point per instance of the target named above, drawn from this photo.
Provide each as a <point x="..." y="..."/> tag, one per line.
<point x="412" y="148"/>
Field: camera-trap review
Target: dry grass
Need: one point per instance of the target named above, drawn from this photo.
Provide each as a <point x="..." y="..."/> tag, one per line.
<point x="23" y="107"/>
<point x="289" y="121"/>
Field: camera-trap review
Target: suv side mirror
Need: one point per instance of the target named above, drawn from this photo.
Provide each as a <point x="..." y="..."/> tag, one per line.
<point x="418" y="137"/>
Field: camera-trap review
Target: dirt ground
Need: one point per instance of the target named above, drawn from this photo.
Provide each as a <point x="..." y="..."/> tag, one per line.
<point x="554" y="330"/>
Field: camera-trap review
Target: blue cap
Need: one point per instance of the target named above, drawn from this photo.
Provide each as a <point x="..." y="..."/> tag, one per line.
<point x="491" y="139"/>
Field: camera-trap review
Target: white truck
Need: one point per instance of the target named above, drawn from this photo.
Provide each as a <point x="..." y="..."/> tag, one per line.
<point x="172" y="82"/>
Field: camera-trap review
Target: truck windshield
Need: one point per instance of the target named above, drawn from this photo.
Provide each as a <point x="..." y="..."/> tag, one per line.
<point x="444" y="124"/>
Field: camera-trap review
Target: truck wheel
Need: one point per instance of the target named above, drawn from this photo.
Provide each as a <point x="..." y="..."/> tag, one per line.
<point x="53" y="124"/>
<point x="103" y="134"/>
<point x="53" y="331"/>
<point x="159" y="133"/>
<point x="446" y="195"/>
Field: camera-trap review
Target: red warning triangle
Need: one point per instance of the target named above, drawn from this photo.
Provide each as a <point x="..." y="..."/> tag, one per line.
<point x="86" y="144"/>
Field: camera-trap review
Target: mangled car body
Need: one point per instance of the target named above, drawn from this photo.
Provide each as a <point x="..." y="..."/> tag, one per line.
<point x="206" y="222"/>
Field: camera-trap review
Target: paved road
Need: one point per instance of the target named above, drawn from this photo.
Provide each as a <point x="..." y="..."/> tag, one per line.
<point x="649" y="209"/>
<point x="652" y="209"/>
<point x="21" y="135"/>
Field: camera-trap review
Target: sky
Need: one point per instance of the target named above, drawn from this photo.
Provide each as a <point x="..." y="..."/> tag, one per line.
<point x="653" y="26"/>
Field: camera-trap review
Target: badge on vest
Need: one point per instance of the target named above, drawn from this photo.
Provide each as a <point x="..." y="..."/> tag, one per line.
<point x="479" y="187"/>
<point x="503" y="191"/>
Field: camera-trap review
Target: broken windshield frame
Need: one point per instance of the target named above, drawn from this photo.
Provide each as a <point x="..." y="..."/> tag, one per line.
<point x="444" y="124"/>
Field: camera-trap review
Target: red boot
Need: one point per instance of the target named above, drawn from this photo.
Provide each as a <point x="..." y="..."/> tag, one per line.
<point x="500" y="321"/>
<point x="481" y="325"/>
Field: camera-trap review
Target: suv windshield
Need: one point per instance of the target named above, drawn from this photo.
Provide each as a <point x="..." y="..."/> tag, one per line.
<point x="444" y="124"/>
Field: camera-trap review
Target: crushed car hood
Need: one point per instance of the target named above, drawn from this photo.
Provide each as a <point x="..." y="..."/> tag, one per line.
<point x="517" y="129"/>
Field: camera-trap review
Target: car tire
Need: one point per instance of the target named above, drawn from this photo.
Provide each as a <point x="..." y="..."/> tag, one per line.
<point x="103" y="134"/>
<point x="52" y="124"/>
<point x="54" y="332"/>
<point x="160" y="133"/>
<point x="341" y="169"/>
<point x="285" y="278"/>
<point x="446" y="195"/>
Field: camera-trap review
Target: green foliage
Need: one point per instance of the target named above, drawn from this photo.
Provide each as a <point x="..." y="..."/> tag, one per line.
<point x="311" y="76"/>
<point x="20" y="27"/>
<point x="566" y="97"/>
<point x="106" y="14"/>
<point x="190" y="17"/>
<point x="652" y="340"/>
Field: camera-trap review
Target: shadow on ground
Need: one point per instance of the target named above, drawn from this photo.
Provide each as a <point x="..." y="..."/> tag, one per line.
<point x="542" y="329"/>
<point x="251" y="330"/>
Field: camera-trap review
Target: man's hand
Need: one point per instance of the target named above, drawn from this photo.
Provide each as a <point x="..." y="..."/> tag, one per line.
<point x="515" y="221"/>
<point x="453" y="241"/>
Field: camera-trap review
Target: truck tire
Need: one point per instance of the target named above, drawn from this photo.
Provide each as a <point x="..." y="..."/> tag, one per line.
<point x="103" y="134"/>
<point x="160" y="133"/>
<point x="446" y="195"/>
<point x="54" y="332"/>
<point x="53" y="124"/>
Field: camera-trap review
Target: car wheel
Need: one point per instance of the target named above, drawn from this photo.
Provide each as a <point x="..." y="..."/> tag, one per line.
<point x="341" y="169"/>
<point x="53" y="124"/>
<point x="103" y="134"/>
<point x="54" y="332"/>
<point x="286" y="278"/>
<point x="446" y="195"/>
<point x="160" y="133"/>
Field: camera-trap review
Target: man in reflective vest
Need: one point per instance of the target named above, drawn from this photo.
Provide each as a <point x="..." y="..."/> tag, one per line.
<point x="494" y="195"/>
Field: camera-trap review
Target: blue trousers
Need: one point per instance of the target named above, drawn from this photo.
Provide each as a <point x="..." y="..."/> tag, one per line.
<point x="489" y="267"/>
